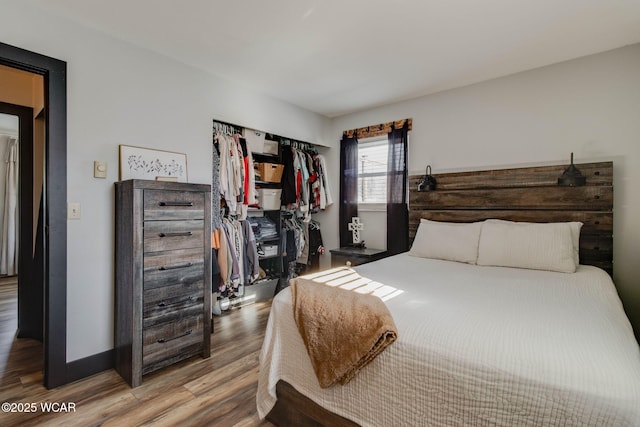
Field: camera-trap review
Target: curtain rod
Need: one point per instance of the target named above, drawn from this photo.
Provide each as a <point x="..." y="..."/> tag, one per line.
<point x="377" y="130"/>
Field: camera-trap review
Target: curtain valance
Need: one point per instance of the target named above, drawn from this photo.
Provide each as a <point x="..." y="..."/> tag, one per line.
<point x="377" y="130"/>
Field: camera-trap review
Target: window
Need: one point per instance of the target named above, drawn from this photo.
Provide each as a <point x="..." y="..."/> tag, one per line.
<point x="372" y="172"/>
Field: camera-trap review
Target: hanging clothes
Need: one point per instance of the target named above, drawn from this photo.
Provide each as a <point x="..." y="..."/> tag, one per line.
<point x="237" y="180"/>
<point x="251" y="263"/>
<point x="326" y="196"/>
<point x="289" y="177"/>
<point x="316" y="247"/>
<point x="302" y="243"/>
<point x="237" y="257"/>
<point x="305" y="186"/>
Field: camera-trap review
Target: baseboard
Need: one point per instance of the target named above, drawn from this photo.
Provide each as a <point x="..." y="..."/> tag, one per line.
<point x="91" y="365"/>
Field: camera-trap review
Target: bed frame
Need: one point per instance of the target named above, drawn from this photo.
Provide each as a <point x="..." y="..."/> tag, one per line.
<point x="518" y="194"/>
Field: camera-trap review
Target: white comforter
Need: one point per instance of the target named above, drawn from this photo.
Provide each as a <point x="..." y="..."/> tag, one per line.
<point x="477" y="346"/>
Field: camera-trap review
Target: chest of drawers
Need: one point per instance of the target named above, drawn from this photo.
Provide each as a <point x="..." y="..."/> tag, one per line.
<point x="163" y="275"/>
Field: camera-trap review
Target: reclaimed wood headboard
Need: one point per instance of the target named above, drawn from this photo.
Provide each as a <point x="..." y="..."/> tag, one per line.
<point x="525" y="194"/>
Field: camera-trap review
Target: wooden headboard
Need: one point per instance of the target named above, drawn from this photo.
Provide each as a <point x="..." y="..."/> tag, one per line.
<point x="525" y="194"/>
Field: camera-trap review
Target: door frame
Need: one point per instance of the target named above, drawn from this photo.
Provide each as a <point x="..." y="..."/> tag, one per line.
<point x="55" y="205"/>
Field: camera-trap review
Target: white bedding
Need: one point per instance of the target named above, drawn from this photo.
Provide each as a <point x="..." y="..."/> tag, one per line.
<point x="477" y="346"/>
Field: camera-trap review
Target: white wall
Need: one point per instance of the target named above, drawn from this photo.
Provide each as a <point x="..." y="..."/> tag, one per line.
<point x="590" y="106"/>
<point x="120" y="94"/>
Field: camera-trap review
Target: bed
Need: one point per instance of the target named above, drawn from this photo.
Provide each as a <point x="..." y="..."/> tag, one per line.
<point x="480" y="345"/>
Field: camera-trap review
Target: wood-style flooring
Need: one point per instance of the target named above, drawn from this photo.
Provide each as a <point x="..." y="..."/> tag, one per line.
<point x="218" y="391"/>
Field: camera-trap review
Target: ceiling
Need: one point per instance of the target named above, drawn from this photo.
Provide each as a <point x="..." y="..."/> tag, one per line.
<point x="334" y="57"/>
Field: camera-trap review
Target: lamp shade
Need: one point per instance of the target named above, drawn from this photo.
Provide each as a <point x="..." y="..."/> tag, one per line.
<point x="428" y="182"/>
<point x="572" y="177"/>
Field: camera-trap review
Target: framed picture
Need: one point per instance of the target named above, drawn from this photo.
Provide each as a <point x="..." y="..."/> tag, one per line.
<point x="147" y="163"/>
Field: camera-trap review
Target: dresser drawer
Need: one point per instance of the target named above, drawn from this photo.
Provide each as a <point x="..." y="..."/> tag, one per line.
<point x="184" y="266"/>
<point x="169" y="205"/>
<point x="168" y="303"/>
<point x="170" y="235"/>
<point x="168" y="342"/>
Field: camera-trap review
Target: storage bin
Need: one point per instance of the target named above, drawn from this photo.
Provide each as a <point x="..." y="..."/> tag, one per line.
<point x="270" y="147"/>
<point x="255" y="139"/>
<point x="269" y="172"/>
<point x="269" y="198"/>
<point x="268" y="250"/>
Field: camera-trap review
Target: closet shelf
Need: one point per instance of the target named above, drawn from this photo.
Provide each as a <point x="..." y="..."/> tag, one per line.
<point x="250" y="210"/>
<point x="265" y="155"/>
<point x="268" y="239"/>
<point x="268" y="184"/>
<point x="268" y="257"/>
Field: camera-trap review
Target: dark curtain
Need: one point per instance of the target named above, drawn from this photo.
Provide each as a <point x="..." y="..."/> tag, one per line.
<point x="397" y="208"/>
<point x="348" y="186"/>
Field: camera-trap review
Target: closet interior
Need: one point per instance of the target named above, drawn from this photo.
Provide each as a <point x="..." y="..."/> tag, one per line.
<point x="264" y="233"/>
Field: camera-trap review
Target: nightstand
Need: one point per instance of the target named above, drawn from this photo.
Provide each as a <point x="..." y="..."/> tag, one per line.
<point x="355" y="256"/>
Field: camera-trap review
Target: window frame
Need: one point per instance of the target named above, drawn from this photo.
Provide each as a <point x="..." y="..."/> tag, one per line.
<point x="373" y="206"/>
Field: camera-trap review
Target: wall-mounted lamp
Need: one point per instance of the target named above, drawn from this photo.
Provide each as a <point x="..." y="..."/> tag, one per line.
<point x="428" y="182"/>
<point x="572" y="176"/>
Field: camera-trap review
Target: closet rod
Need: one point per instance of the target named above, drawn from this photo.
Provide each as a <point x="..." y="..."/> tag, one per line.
<point x="217" y="124"/>
<point x="285" y="141"/>
<point x="305" y="146"/>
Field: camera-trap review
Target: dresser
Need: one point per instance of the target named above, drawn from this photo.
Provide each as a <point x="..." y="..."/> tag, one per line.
<point x="163" y="275"/>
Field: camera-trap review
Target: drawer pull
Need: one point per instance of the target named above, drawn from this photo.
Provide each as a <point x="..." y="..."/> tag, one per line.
<point x="175" y="266"/>
<point x="163" y="303"/>
<point x="176" y="234"/>
<point x="176" y="203"/>
<point x="164" y="340"/>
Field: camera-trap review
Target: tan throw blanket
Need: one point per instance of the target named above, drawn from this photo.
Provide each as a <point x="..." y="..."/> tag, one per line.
<point x="343" y="330"/>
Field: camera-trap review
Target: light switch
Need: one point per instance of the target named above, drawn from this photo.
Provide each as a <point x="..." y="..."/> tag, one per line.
<point x="99" y="169"/>
<point x="73" y="210"/>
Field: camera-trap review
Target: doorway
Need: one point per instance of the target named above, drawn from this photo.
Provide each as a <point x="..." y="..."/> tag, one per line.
<point x="53" y="244"/>
<point x="17" y="244"/>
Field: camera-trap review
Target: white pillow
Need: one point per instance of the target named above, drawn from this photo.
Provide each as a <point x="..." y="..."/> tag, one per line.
<point x="449" y="241"/>
<point x="538" y="246"/>
<point x="574" y="226"/>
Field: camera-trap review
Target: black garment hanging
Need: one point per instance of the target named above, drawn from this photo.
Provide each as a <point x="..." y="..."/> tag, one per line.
<point x="243" y="146"/>
<point x="316" y="248"/>
<point x="288" y="180"/>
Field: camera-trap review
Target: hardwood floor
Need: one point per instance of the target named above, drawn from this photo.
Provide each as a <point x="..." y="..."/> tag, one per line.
<point x="218" y="391"/>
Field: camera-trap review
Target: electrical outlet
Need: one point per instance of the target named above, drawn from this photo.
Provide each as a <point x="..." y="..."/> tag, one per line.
<point x="73" y="210"/>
